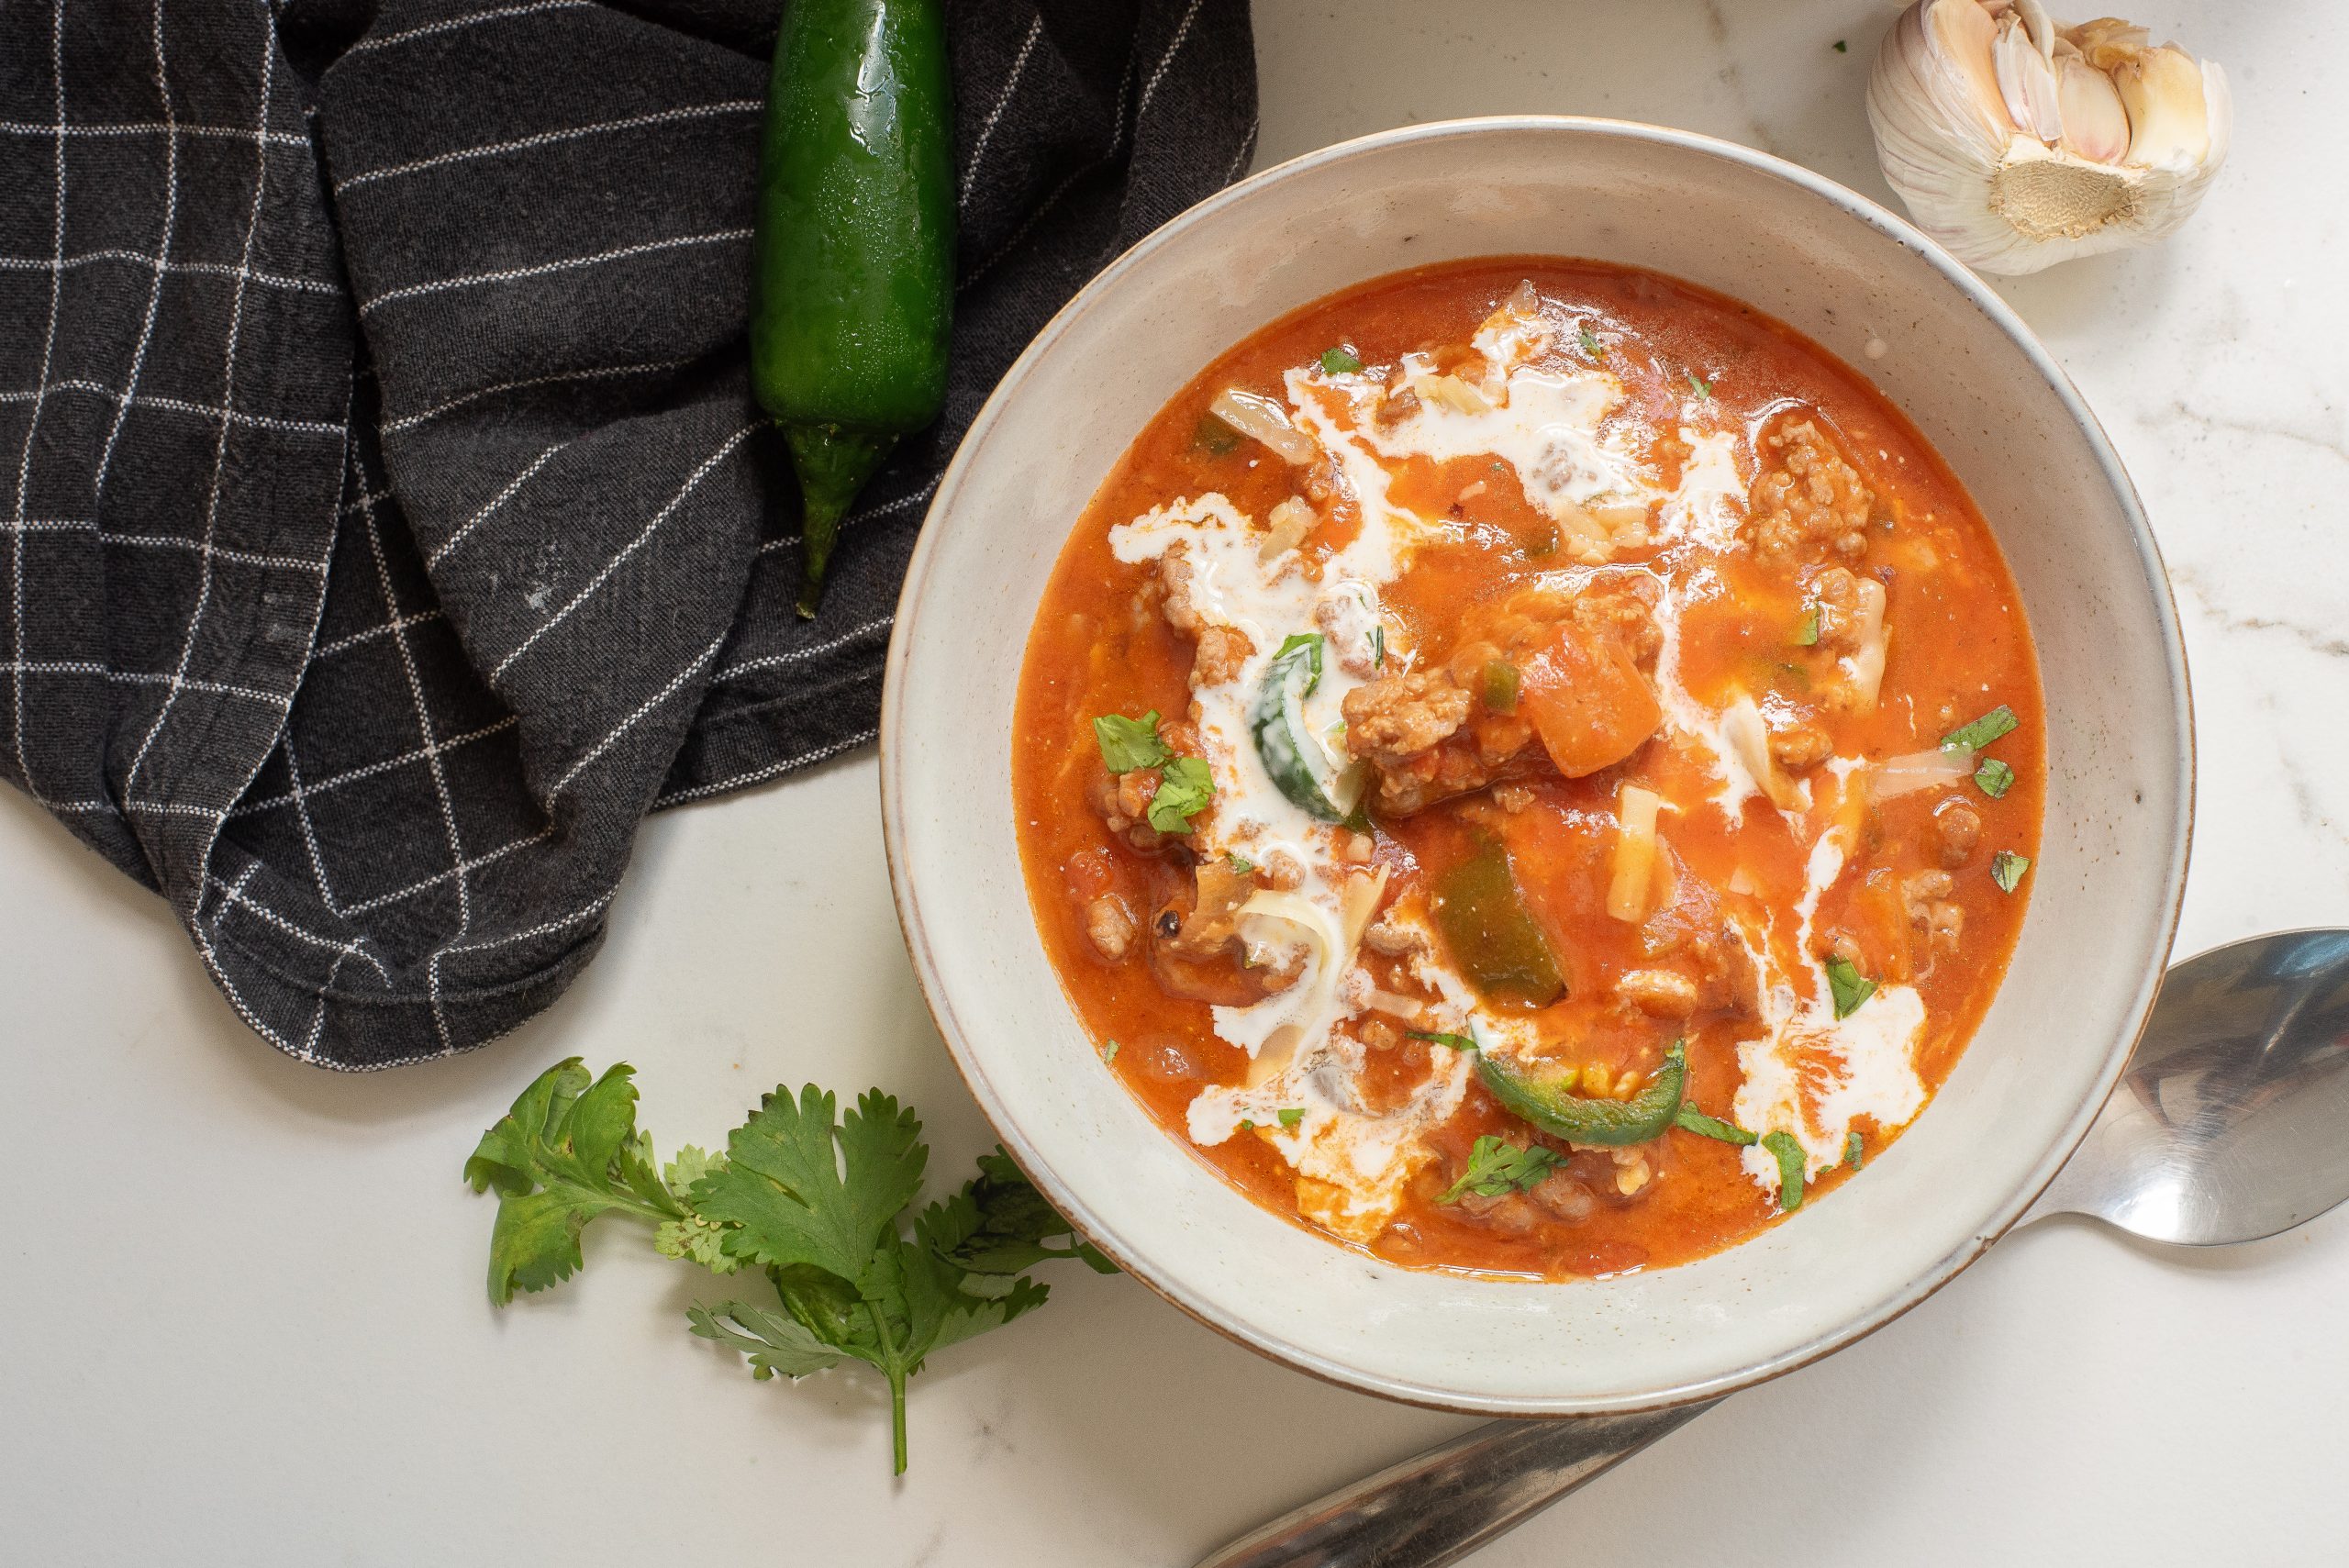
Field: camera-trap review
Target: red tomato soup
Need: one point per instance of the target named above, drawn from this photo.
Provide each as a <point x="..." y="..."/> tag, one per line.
<point x="1530" y="767"/>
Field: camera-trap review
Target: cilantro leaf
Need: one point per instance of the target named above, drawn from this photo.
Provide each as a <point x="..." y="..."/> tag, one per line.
<point x="1130" y="744"/>
<point x="567" y="1151"/>
<point x="783" y="1183"/>
<point x="1688" y="1118"/>
<point x="1792" y="1165"/>
<point x="1185" y="788"/>
<point x="775" y="1343"/>
<point x="1437" y="1037"/>
<point x="1806" y="630"/>
<point x="1848" y="986"/>
<point x="999" y="1224"/>
<point x="2006" y="868"/>
<point x="1591" y="345"/>
<point x="1994" y="778"/>
<point x="814" y="1199"/>
<point x="1999" y="720"/>
<point x="1496" y="1168"/>
<point x="1341" y="360"/>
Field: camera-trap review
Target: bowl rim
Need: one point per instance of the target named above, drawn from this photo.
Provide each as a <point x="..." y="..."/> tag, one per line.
<point x="1850" y="204"/>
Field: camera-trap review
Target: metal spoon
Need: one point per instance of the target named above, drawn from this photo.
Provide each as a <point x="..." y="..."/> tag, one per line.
<point x="2224" y="1127"/>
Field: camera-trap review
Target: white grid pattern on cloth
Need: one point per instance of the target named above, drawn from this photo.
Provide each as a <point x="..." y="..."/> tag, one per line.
<point x="180" y="269"/>
<point x="32" y="425"/>
<point x="431" y="760"/>
<point x="124" y="401"/>
<point x="693" y="482"/>
<point x="543" y="269"/>
<point x="161" y="128"/>
<point x="388" y="949"/>
<point x="549" y="138"/>
<point x="593" y="372"/>
<point x="229" y="398"/>
<point x="505" y="493"/>
<point x="994" y="112"/>
<point x="452" y="24"/>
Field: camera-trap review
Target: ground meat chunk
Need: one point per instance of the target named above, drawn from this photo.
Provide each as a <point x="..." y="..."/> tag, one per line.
<point x="1799" y="746"/>
<point x="1623" y="605"/>
<point x="1931" y="913"/>
<point x="1222" y="651"/>
<point x="1123" y="801"/>
<point x="1396" y="717"/>
<point x="1808" y="502"/>
<point x="1564" y="1196"/>
<point x="1957" y="828"/>
<point x="1175" y="587"/>
<point x="1394" y="938"/>
<point x="1109" y="923"/>
<point x="1836" y="593"/>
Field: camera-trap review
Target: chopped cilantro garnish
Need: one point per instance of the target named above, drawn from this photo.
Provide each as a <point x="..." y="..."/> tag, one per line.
<point x="1436" y="1037"/>
<point x="1973" y="737"/>
<point x="1841" y="47"/>
<point x="1995" y="777"/>
<point x="2006" y="868"/>
<point x="1591" y="345"/>
<point x="1109" y="1050"/>
<point x="1701" y="387"/>
<point x="1497" y="1169"/>
<point x="1688" y="1118"/>
<point x="1291" y="1115"/>
<point x="1807" y="628"/>
<point x="1239" y="862"/>
<point x="1851" y="1148"/>
<point x="1790" y="1168"/>
<point x="1308" y="641"/>
<point x="1378" y="647"/>
<point x="1247" y="1125"/>
<point x="1340" y="361"/>
<point x="1184" y="789"/>
<point x="1130" y="744"/>
<point x="1848" y="985"/>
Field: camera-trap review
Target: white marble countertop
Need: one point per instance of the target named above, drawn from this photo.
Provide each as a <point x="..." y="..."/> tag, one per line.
<point x="241" y="1307"/>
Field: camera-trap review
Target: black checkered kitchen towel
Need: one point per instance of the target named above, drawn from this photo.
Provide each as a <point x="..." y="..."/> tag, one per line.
<point x="388" y="525"/>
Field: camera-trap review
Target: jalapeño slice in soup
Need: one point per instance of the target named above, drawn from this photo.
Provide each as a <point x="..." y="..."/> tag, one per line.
<point x="1527" y="761"/>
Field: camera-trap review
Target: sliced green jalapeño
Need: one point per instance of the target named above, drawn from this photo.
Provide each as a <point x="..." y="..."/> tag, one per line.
<point x="1578" y="1119"/>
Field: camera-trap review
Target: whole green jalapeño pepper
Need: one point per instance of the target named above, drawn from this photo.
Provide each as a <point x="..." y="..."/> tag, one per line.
<point x="1546" y="1104"/>
<point x="853" y="283"/>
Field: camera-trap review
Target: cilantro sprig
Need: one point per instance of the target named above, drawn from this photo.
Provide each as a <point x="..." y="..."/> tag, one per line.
<point x="813" y="1199"/>
<point x="1497" y="1169"/>
<point x="1186" y="785"/>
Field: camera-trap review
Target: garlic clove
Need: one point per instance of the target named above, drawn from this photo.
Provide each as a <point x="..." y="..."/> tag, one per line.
<point x="2108" y="42"/>
<point x="2095" y="124"/>
<point x="2169" y="124"/>
<point x="2027" y="83"/>
<point x="2018" y="143"/>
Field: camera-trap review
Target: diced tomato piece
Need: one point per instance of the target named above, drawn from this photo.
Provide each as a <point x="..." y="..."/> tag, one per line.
<point x="1589" y="701"/>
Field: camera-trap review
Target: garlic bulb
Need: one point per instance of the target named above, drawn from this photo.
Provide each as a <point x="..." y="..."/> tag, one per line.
<point x="2018" y="143"/>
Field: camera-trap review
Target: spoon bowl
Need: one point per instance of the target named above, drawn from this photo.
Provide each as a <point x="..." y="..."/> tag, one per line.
<point x="2225" y="1127"/>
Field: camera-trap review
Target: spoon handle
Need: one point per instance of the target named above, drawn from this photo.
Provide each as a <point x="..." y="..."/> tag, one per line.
<point x="1438" y="1507"/>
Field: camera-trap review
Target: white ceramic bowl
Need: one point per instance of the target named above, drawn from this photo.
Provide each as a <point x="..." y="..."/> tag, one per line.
<point x="1984" y="392"/>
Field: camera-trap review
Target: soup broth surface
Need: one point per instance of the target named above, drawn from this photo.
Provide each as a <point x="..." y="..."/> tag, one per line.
<point x="1528" y="766"/>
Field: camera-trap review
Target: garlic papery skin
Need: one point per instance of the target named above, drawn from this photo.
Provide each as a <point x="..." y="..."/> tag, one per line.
<point x="2018" y="143"/>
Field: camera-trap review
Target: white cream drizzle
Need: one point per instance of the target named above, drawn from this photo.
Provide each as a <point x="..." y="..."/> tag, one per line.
<point x="1559" y="429"/>
<point x="1869" y="1059"/>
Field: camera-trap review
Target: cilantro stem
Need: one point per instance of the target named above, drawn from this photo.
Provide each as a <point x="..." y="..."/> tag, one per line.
<point x="897" y="1373"/>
